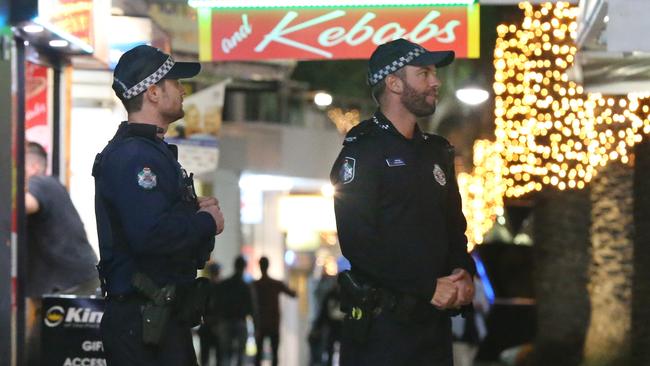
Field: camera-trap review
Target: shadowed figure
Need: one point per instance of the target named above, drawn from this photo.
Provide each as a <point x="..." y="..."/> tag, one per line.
<point x="208" y="333"/>
<point x="235" y="302"/>
<point x="268" y="292"/>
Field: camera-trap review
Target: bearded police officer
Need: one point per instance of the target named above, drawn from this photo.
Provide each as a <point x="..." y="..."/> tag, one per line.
<point x="399" y="219"/>
<point x="153" y="231"/>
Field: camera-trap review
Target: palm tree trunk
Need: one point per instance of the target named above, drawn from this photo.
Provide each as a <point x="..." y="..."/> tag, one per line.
<point x="561" y="254"/>
<point x="610" y="285"/>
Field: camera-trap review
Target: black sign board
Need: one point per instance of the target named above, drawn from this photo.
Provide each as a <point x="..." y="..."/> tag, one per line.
<point x="70" y="332"/>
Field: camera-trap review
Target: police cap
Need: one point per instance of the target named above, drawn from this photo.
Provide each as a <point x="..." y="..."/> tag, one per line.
<point x="394" y="55"/>
<point x="143" y="66"/>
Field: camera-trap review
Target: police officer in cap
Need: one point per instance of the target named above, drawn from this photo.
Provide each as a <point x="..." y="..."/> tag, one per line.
<point x="149" y="220"/>
<point x="399" y="219"/>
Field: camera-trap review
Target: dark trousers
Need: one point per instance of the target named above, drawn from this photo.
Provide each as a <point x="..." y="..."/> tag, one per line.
<point x="275" y="342"/>
<point x="209" y="340"/>
<point x="232" y="337"/>
<point x="121" y="330"/>
<point x="393" y="342"/>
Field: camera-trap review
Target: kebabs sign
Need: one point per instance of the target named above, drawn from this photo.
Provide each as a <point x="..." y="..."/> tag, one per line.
<point x="333" y="33"/>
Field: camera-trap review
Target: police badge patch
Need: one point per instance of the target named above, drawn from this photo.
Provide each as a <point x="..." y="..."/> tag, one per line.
<point x="147" y="179"/>
<point x="346" y="174"/>
<point x="439" y="175"/>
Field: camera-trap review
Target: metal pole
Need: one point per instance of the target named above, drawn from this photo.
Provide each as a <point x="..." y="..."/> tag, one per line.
<point x="7" y="174"/>
<point x="20" y="248"/>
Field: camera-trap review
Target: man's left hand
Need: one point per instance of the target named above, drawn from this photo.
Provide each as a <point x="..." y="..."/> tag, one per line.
<point x="208" y="201"/>
<point x="465" y="285"/>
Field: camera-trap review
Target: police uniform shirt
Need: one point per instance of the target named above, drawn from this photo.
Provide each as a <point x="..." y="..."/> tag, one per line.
<point x="146" y="211"/>
<point x="398" y="208"/>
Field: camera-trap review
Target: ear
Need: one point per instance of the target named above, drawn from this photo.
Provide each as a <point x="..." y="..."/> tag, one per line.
<point x="152" y="93"/>
<point x="394" y="84"/>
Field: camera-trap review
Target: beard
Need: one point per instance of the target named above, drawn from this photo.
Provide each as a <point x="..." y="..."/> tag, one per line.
<point x="416" y="102"/>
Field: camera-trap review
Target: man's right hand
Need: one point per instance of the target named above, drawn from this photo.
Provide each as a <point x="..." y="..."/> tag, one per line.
<point x="216" y="214"/>
<point x="446" y="293"/>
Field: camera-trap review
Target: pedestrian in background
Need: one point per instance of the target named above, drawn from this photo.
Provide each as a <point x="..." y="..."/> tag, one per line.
<point x="327" y="329"/>
<point x="399" y="220"/>
<point x="235" y="302"/>
<point x="267" y="293"/>
<point x="208" y="332"/>
<point x="154" y="232"/>
<point x="59" y="258"/>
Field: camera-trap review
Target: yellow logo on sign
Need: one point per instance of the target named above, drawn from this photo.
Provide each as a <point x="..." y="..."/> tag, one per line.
<point x="357" y="313"/>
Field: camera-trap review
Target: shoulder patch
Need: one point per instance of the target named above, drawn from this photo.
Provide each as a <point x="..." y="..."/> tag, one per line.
<point x="346" y="172"/>
<point x="147" y="179"/>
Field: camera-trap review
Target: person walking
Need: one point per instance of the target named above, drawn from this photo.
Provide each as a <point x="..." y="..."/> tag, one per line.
<point x="208" y="332"/>
<point x="267" y="291"/>
<point x="235" y="302"/>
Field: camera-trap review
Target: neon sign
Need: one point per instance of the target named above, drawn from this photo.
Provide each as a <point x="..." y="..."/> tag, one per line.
<point x="333" y="32"/>
<point x="225" y="4"/>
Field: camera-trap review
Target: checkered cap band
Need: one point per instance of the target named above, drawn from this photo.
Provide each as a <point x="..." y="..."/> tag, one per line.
<point x="395" y="65"/>
<point x="149" y="80"/>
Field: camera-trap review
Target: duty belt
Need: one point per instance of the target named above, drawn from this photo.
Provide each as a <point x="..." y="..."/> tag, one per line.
<point x="405" y="307"/>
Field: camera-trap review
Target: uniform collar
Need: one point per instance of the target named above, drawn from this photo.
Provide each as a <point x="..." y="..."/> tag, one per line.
<point x="385" y="124"/>
<point x="139" y="129"/>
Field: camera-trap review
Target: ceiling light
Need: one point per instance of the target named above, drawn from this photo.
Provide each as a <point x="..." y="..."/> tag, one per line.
<point x="58" y="43"/>
<point x="33" y="28"/>
<point x="322" y="99"/>
<point x="472" y="95"/>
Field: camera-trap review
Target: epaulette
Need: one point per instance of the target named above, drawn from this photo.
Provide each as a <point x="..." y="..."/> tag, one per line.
<point x="357" y="132"/>
<point x="436" y="139"/>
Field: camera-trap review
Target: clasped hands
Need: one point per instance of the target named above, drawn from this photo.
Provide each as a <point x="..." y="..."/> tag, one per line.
<point x="211" y="206"/>
<point x="454" y="291"/>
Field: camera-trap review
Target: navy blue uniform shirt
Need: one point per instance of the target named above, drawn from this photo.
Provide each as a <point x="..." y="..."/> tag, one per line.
<point x="146" y="210"/>
<point x="398" y="208"/>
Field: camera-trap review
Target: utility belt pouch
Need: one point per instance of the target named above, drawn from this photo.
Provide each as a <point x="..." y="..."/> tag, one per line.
<point x="154" y="321"/>
<point x="156" y="312"/>
<point x="359" y="301"/>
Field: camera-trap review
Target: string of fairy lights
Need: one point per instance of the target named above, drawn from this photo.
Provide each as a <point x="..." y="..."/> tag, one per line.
<point x="482" y="191"/>
<point x="548" y="130"/>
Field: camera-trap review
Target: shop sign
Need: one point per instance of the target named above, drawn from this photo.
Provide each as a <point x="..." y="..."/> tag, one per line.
<point x="333" y="33"/>
<point x="37" y="127"/>
<point x="70" y="331"/>
<point x="74" y="17"/>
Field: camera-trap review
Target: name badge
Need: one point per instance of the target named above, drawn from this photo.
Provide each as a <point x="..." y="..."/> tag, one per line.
<point x="391" y="162"/>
